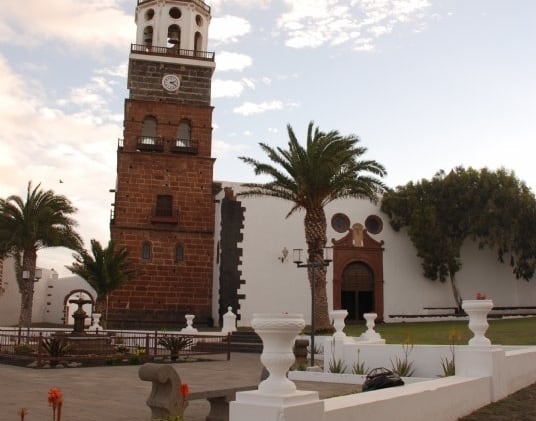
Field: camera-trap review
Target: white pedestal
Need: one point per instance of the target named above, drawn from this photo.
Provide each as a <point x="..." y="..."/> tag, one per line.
<point x="478" y="310"/>
<point x="258" y="406"/>
<point x="338" y="317"/>
<point x="370" y="335"/>
<point x="229" y="321"/>
<point x="95" y="326"/>
<point x="189" y="324"/>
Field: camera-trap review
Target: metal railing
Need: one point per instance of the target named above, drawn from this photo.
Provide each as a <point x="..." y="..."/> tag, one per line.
<point x="25" y="346"/>
<point x="158" y="144"/>
<point x="150" y="143"/>
<point x="172" y="52"/>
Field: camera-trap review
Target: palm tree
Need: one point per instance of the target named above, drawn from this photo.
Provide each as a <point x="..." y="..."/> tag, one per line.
<point x="105" y="270"/>
<point x="42" y="220"/>
<point x="326" y="169"/>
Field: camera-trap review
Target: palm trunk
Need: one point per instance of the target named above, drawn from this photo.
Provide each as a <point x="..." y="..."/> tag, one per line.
<point x="456" y="293"/>
<point x="29" y="260"/>
<point x="101" y="307"/>
<point x="315" y="236"/>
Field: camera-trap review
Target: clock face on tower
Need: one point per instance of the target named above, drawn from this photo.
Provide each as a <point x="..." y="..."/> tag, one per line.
<point x="171" y="83"/>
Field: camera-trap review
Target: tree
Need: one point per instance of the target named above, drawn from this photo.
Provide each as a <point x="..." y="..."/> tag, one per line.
<point x="326" y="169"/>
<point x="104" y="269"/>
<point x="42" y="220"/>
<point x="493" y="208"/>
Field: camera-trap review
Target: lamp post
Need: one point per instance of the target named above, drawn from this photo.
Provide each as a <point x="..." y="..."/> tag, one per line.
<point x="324" y="262"/>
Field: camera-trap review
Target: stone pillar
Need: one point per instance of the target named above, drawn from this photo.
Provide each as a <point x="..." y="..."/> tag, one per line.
<point x="277" y="398"/>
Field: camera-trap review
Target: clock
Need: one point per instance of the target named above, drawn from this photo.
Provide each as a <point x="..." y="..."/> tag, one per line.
<point x="171" y="83"/>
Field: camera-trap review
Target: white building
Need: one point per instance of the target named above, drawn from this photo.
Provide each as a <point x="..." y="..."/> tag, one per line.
<point x="254" y="271"/>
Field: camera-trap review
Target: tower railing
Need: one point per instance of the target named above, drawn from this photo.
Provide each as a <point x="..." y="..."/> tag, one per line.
<point x="171" y="52"/>
<point x="199" y="3"/>
<point x="158" y="144"/>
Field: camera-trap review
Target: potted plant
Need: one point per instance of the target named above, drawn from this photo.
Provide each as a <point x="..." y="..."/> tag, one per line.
<point x="174" y="344"/>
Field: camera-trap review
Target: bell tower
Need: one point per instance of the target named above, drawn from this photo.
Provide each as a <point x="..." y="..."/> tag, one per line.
<point x="163" y="210"/>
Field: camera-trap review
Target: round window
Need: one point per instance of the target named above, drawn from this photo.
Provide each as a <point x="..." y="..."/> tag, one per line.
<point x="149" y="14"/>
<point x="374" y="224"/>
<point x="199" y="20"/>
<point x="340" y="222"/>
<point x="175" y="12"/>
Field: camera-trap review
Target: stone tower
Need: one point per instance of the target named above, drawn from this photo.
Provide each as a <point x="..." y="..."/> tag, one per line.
<point x="164" y="207"/>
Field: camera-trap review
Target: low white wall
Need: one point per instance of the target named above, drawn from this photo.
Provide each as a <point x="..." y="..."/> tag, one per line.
<point x="444" y="399"/>
<point x="426" y="358"/>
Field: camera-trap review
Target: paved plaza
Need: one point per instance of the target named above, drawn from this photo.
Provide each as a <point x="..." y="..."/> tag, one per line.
<point x="117" y="393"/>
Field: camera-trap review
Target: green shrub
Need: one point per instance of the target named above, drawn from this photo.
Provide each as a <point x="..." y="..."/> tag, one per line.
<point x="337" y="366"/>
<point x="55" y="347"/>
<point x="23" y="349"/>
<point x="403" y="366"/>
<point x="175" y="344"/>
<point x="359" y="366"/>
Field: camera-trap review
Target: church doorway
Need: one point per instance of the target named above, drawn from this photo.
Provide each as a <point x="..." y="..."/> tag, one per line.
<point x="357" y="290"/>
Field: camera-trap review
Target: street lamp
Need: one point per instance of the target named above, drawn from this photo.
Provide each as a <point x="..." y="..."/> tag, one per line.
<point x="324" y="262"/>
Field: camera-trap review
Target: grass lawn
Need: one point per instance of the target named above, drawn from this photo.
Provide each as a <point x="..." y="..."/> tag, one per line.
<point x="518" y="331"/>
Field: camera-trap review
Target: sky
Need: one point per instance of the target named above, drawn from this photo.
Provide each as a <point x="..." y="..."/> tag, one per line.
<point x="425" y="84"/>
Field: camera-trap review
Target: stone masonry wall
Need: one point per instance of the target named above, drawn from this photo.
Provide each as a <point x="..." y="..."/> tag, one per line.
<point x="145" y="76"/>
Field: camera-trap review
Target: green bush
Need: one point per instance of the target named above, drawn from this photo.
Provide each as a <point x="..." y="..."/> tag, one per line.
<point x="55" y="347"/>
<point x="23" y="349"/>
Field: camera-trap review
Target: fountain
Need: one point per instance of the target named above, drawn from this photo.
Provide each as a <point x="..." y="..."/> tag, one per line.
<point x="80" y="343"/>
<point x="79" y="316"/>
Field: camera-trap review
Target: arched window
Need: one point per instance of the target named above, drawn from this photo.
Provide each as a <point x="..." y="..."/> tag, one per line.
<point x="184" y="134"/>
<point x="174" y="36"/>
<point x="146" y="251"/>
<point x="179" y="253"/>
<point x="148" y="131"/>
<point x="148" y="36"/>
<point x="198" y="39"/>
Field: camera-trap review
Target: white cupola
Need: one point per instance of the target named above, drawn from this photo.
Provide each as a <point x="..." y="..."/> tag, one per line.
<point x="173" y="24"/>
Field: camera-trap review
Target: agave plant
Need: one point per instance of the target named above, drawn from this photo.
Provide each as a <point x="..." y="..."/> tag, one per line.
<point x="55" y="348"/>
<point x="175" y="344"/>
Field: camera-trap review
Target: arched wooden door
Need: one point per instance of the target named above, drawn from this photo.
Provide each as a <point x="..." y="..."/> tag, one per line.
<point x="358" y="275"/>
<point x="357" y="290"/>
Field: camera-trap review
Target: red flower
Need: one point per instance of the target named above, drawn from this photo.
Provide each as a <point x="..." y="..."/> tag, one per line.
<point x="55" y="400"/>
<point x="480" y="296"/>
<point x="185" y="391"/>
<point x="55" y="397"/>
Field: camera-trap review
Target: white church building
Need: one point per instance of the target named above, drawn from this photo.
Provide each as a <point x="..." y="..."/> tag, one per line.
<point x="374" y="268"/>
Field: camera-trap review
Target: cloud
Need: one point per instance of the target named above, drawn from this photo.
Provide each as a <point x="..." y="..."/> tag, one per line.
<point x="88" y="23"/>
<point x="41" y="142"/>
<point x="120" y="70"/>
<point x="242" y="3"/>
<point x="228" y="29"/>
<point x="226" y="88"/>
<point x="226" y="61"/>
<point x="314" y="23"/>
<point x="222" y="149"/>
<point x="249" y="108"/>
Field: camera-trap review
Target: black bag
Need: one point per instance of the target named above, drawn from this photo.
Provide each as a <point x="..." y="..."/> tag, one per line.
<point x="381" y="378"/>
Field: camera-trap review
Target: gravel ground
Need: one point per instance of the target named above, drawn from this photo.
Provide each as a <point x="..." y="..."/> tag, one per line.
<point x="521" y="406"/>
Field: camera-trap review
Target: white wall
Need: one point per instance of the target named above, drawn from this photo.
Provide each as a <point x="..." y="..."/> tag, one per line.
<point x="49" y="295"/>
<point x="272" y="286"/>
